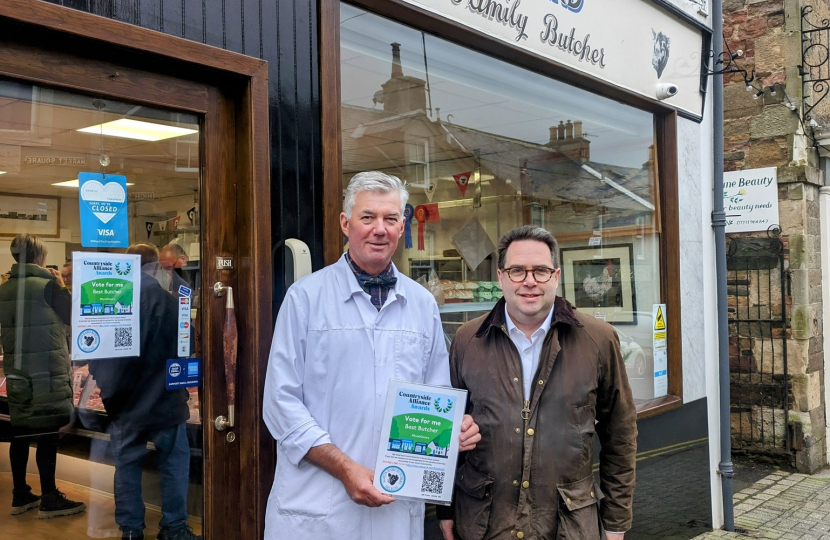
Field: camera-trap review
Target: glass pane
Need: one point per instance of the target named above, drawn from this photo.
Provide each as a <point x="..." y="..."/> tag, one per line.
<point x="486" y="147"/>
<point x="90" y="349"/>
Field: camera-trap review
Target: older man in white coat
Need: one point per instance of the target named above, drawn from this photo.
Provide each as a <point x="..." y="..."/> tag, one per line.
<point x="341" y="334"/>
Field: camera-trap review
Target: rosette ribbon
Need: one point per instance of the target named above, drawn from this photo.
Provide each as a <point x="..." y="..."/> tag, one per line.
<point x="407" y="226"/>
<point x="421" y="215"/>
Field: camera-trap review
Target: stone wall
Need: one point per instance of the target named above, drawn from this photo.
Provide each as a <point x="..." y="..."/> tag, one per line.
<point x="763" y="132"/>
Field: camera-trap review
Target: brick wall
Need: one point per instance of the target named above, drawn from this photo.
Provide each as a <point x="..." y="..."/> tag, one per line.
<point x="762" y="132"/>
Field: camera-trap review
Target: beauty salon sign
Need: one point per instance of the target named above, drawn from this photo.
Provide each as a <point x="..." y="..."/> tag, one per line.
<point x="750" y="200"/>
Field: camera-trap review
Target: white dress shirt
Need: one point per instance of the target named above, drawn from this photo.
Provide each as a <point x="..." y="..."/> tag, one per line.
<point x="332" y="356"/>
<point x="529" y="349"/>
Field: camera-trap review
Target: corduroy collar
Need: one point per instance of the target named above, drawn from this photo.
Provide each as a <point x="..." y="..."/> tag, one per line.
<point x="562" y="313"/>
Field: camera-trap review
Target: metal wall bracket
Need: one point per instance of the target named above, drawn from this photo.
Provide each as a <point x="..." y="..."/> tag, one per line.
<point x="815" y="60"/>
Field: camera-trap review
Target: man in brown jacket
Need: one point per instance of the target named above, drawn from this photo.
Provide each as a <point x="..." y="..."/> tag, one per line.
<point x="542" y="380"/>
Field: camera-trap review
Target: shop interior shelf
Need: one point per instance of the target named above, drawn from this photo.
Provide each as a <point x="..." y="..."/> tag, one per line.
<point x="465" y="307"/>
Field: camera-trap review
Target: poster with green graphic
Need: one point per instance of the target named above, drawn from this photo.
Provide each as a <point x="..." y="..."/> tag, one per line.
<point x="418" y="449"/>
<point x="105" y="305"/>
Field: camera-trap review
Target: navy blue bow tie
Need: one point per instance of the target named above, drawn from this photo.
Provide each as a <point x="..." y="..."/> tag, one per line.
<point x="387" y="282"/>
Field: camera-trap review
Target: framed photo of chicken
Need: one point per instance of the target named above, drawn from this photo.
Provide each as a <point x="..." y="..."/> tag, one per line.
<point x="600" y="281"/>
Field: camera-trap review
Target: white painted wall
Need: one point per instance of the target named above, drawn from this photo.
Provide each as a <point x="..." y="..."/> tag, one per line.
<point x="698" y="283"/>
<point x="694" y="185"/>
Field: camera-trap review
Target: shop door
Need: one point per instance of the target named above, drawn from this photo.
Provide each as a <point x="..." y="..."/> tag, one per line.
<point x="132" y="332"/>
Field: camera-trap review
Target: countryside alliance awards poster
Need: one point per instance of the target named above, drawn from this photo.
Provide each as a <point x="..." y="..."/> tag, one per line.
<point x="418" y="447"/>
<point x="105" y="305"/>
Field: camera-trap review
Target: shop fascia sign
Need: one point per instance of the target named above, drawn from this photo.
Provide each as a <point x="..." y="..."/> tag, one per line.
<point x="648" y="57"/>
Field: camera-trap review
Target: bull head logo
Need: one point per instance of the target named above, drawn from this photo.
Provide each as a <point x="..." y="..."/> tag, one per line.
<point x="660" y="57"/>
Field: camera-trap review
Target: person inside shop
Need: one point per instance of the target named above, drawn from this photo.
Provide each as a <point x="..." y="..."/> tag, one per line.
<point x="141" y="410"/>
<point x="66" y="274"/>
<point x="35" y="309"/>
<point x="341" y="334"/>
<point x="173" y="258"/>
<point x="545" y="378"/>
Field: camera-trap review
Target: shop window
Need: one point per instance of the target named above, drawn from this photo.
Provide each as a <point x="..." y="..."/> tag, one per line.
<point x="487" y="146"/>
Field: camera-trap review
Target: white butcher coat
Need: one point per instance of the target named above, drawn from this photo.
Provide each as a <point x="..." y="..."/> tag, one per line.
<point x="331" y="360"/>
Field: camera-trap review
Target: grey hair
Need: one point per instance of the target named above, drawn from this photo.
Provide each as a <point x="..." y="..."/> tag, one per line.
<point x="175" y="249"/>
<point x="373" y="181"/>
<point x="28" y="248"/>
<point x="529" y="232"/>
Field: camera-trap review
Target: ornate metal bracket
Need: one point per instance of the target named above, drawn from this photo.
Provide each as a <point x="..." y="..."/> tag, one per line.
<point x="727" y="60"/>
<point x="815" y="60"/>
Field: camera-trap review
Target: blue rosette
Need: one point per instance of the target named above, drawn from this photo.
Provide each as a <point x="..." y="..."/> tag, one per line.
<point x="408" y="213"/>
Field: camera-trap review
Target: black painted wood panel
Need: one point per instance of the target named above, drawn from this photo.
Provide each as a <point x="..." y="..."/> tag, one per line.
<point x="283" y="32"/>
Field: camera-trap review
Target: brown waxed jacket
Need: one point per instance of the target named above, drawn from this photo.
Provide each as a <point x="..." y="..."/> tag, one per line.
<point x="531" y="478"/>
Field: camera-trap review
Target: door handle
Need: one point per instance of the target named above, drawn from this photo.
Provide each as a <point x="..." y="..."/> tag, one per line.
<point x="230" y="346"/>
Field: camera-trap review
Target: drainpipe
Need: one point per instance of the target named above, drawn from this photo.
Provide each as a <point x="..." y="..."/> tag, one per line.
<point x="719" y="226"/>
<point x="824" y="206"/>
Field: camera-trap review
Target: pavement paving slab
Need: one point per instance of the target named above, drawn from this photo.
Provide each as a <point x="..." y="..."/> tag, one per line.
<point x="782" y="506"/>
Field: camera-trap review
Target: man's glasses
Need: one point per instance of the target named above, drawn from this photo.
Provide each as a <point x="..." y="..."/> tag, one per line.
<point x="541" y="274"/>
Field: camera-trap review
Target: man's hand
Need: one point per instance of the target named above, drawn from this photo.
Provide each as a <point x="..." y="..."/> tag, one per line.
<point x="358" y="481"/>
<point x="446" y="528"/>
<point x="356" y="478"/>
<point x="614" y="536"/>
<point x="469" y="437"/>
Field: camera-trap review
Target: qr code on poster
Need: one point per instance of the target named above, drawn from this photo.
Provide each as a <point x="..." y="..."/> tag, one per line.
<point x="433" y="482"/>
<point x="124" y="337"/>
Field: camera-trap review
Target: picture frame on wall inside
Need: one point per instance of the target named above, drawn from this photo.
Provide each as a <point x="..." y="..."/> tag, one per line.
<point x="32" y="214"/>
<point x="600" y="281"/>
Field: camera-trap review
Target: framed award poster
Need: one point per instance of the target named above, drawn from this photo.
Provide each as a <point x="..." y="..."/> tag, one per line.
<point x="418" y="447"/>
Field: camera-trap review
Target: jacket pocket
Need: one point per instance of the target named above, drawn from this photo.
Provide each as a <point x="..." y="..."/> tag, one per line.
<point x="579" y="511"/>
<point x="19" y="389"/>
<point x="305" y="490"/>
<point x="472" y="502"/>
<point x="410" y="351"/>
<point x="585" y="418"/>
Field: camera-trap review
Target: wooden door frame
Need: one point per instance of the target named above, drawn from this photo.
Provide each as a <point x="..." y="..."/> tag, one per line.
<point x="230" y="90"/>
<point x="665" y="119"/>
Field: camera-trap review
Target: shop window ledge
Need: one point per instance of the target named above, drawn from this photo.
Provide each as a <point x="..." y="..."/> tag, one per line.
<point x="653" y="407"/>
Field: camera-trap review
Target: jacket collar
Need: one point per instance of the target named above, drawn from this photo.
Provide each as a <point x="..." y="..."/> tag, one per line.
<point x="25" y="270"/>
<point x="562" y="313"/>
<point x="349" y="286"/>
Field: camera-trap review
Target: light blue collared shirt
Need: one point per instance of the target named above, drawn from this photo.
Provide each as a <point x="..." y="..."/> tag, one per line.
<point x="529" y="349"/>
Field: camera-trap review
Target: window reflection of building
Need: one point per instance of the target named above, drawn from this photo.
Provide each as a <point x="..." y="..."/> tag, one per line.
<point x="549" y="179"/>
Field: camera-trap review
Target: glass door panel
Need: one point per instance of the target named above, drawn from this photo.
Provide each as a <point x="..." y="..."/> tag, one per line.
<point x="95" y="417"/>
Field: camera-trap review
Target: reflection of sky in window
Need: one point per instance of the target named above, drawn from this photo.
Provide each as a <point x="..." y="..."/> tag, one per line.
<point x="483" y="93"/>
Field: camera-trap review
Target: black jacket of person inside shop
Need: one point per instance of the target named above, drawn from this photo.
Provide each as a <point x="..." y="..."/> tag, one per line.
<point x="134" y="390"/>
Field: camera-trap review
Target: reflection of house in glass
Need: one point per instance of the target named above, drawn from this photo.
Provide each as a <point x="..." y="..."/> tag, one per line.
<point x="553" y="184"/>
